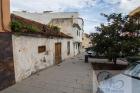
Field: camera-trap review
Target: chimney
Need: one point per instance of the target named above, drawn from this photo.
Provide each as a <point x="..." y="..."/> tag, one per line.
<point x="5" y="16"/>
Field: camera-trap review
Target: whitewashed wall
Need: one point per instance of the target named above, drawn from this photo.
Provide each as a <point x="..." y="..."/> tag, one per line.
<point x="66" y="25"/>
<point x="27" y="60"/>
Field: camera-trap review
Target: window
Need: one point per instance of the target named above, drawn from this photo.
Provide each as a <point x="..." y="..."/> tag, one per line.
<point x="74" y="47"/>
<point x="68" y="48"/>
<point x="77" y="32"/>
<point x="41" y="49"/>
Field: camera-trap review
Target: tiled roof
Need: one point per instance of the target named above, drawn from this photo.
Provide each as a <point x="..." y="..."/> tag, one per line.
<point x="40" y="26"/>
<point x="45" y="18"/>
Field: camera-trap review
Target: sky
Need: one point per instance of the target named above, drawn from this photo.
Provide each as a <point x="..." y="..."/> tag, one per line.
<point x="89" y="10"/>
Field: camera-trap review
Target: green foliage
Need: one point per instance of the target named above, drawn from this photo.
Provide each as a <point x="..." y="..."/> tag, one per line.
<point x="31" y="28"/>
<point x="110" y="39"/>
<point x="53" y="28"/>
<point x="18" y="26"/>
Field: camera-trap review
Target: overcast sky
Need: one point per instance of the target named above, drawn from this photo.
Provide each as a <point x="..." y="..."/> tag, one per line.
<point x="89" y="10"/>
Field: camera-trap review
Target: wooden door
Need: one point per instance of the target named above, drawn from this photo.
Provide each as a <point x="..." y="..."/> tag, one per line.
<point x="58" y="58"/>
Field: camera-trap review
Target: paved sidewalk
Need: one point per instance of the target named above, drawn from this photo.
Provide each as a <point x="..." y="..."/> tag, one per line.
<point x="71" y="76"/>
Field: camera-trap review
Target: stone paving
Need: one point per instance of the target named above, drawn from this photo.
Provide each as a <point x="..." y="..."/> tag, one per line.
<point x="71" y="76"/>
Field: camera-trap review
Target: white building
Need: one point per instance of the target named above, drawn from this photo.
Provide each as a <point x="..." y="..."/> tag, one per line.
<point x="69" y="22"/>
<point x="34" y="51"/>
<point x="28" y="58"/>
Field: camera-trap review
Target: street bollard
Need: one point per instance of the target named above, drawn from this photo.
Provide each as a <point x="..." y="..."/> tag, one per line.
<point x="86" y="58"/>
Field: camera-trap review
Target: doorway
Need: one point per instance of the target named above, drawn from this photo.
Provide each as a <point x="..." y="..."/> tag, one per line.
<point x="58" y="58"/>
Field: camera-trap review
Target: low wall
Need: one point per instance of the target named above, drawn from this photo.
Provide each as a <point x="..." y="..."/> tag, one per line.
<point x="27" y="60"/>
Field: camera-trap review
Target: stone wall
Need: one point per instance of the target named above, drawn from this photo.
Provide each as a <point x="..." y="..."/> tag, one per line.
<point x="7" y="76"/>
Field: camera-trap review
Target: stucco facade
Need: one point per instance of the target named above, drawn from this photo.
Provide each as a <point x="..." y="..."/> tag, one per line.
<point x="86" y="41"/>
<point x="27" y="60"/>
<point x="67" y="27"/>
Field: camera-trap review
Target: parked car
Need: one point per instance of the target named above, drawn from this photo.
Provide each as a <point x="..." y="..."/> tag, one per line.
<point x="91" y="53"/>
<point x="126" y="82"/>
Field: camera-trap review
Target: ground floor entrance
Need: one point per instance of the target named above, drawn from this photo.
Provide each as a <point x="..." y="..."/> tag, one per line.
<point x="58" y="57"/>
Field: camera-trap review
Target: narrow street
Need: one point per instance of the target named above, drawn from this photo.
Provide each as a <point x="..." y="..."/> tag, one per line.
<point x="38" y="46"/>
<point x="71" y="76"/>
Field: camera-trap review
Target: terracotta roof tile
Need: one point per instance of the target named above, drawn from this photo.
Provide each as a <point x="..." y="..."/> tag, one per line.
<point x="40" y="26"/>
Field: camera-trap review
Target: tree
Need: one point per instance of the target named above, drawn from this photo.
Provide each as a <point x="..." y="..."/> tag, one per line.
<point x="116" y="38"/>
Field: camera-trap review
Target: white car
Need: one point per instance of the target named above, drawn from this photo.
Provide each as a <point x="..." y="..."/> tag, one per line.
<point x="91" y="53"/>
<point x="126" y="82"/>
